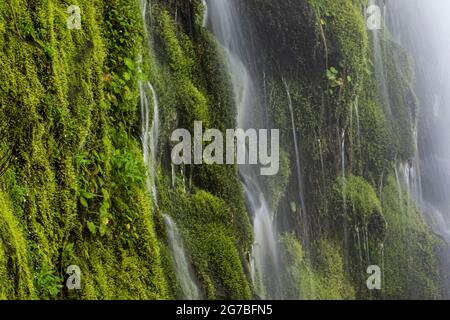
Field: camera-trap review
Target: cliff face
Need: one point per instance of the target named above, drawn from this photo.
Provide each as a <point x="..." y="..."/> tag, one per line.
<point x="74" y="184"/>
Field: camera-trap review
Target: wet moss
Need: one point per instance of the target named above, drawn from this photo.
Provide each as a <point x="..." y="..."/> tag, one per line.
<point x="411" y="266"/>
<point x="324" y="280"/>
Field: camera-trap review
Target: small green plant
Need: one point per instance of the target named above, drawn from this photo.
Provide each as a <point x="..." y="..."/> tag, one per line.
<point x="48" y="284"/>
<point x="334" y="79"/>
<point x="68" y="255"/>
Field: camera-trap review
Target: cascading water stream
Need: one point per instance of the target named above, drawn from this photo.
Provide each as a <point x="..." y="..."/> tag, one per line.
<point x="297" y="163"/>
<point x="225" y="23"/>
<point x="149" y="133"/>
<point x="420" y="26"/>
<point x="265" y="250"/>
<point x="153" y="140"/>
<point x="205" y="14"/>
<point x="183" y="271"/>
<point x="149" y="136"/>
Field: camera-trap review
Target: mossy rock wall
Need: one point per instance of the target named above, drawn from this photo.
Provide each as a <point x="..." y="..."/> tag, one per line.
<point x="73" y="185"/>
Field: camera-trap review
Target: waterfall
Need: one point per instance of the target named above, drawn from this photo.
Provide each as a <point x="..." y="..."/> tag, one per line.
<point x="154" y="133"/>
<point x="149" y="135"/>
<point x="143" y="4"/>
<point x="226" y="26"/>
<point x="265" y="260"/>
<point x="205" y="13"/>
<point x="380" y="71"/>
<point x="183" y="271"/>
<point x="420" y="26"/>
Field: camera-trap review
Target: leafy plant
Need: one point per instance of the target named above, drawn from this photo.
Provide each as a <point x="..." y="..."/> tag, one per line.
<point x="48" y="284"/>
<point x="334" y="79"/>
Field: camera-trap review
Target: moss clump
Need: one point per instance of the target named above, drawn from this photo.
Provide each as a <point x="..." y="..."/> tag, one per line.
<point x="193" y="103"/>
<point x="357" y="200"/>
<point x="323" y="280"/>
<point x="411" y="266"/>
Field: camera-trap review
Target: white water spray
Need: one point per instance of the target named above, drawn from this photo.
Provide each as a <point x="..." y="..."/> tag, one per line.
<point x="149" y="135"/>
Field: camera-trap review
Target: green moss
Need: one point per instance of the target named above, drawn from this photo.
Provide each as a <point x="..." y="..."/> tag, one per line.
<point x="357" y="197"/>
<point x="15" y="269"/>
<point x="411" y="266"/>
<point x="397" y="96"/>
<point x="323" y="280"/>
<point x="178" y="47"/>
<point x="76" y="174"/>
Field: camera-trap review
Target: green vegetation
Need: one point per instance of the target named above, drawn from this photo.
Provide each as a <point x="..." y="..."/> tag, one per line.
<point x="410" y="250"/>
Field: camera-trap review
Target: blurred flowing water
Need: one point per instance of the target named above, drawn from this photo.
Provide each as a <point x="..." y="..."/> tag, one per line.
<point x="423" y="29"/>
<point x="226" y="24"/>
<point x="183" y="272"/>
<point x="187" y="284"/>
<point x="149" y="134"/>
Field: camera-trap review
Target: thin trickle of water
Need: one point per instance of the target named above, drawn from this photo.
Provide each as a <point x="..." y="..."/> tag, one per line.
<point x="344" y="197"/>
<point x="145" y="121"/>
<point x="149" y="132"/>
<point x="183" y="270"/>
<point x="366" y="234"/>
<point x="358" y="238"/>
<point x="351" y="142"/>
<point x="322" y="163"/>
<point x="297" y="158"/>
<point x="410" y="179"/>
<point x="144" y="12"/>
<point x="149" y="135"/>
<point x="173" y="174"/>
<point x="205" y="13"/>
<point x="154" y="134"/>
<point x="358" y="127"/>
<point x="399" y="190"/>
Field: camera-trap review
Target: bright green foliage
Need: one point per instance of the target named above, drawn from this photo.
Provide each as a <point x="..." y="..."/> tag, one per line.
<point x="76" y="178"/>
